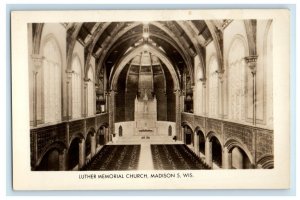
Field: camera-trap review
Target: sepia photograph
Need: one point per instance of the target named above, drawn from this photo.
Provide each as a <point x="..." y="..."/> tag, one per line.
<point x="148" y="97"/>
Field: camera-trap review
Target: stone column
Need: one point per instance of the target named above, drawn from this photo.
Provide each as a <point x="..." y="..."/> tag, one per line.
<point x="208" y="152"/>
<point x="111" y="111"/>
<point x="179" y="109"/>
<point x="37" y="62"/>
<point x="93" y="145"/>
<point x="63" y="160"/>
<point x="251" y="62"/>
<point x="85" y="98"/>
<point x="69" y="94"/>
<point x="203" y="80"/>
<point x="81" y="153"/>
<point x="106" y="101"/>
<point x="193" y="89"/>
<point x="221" y="93"/>
<point x="181" y="134"/>
<point x="226" y="159"/>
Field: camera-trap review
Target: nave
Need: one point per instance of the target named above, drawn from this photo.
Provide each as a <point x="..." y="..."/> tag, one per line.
<point x="208" y="83"/>
<point x="145" y="156"/>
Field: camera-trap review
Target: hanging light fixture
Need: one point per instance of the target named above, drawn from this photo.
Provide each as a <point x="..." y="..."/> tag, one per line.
<point x="146" y="31"/>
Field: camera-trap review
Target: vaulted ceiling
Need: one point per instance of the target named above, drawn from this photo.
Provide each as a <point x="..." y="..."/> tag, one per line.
<point x="179" y="41"/>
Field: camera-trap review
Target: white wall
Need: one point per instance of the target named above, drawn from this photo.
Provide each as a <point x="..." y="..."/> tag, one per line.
<point x="129" y="128"/>
<point x="163" y="128"/>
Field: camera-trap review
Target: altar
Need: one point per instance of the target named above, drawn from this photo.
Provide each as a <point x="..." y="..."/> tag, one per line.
<point x="145" y="115"/>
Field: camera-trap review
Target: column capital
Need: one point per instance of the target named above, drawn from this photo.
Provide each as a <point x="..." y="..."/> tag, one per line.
<point x="178" y="92"/>
<point x="203" y="80"/>
<point x="37" y="60"/>
<point x="86" y="80"/>
<point x="69" y="73"/>
<point x="111" y="92"/>
<point x="251" y="62"/>
<point x="220" y="74"/>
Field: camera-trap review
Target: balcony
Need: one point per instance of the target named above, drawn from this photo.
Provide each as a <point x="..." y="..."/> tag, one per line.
<point x="42" y="137"/>
<point x="259" y="141"/>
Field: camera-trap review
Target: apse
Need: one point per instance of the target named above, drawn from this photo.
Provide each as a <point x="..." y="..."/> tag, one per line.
<point x="145" y="75"/>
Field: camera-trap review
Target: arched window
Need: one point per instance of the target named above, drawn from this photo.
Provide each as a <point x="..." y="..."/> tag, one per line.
<point x="91" y="93"/>
<point x="170" y="130"/>
<point x="76" y="87"/>
<point x="52" y="82"/>
<point x="120" y="131"/>
<point x="236" y="80"/>
<point x="213" y="87"/>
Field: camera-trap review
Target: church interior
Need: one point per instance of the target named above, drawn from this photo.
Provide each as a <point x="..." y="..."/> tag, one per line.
<point x="153" y="95"/>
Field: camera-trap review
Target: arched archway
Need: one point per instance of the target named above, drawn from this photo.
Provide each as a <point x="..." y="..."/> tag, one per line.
<point x="266" y="162"/>
<point x="100" y="136"/>
<point x="88" y="144"/>
<point x="240" y="159"/>
<point x="73" y="153"/>
<point x="50" y="161"/>
<point x="216" y="151"/>
<point x="50" y="158"/>
<point x="201" y="140"/>
<point x="213" y="150"/>
<point x="239" y="155"/>
<point x="188" y="135"/>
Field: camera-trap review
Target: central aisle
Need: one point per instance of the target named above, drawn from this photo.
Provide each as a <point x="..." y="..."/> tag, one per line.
<point x="145" y="161"/>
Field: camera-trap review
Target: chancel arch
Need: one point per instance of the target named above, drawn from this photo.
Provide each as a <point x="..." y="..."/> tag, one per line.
<point x="136" y="51"/>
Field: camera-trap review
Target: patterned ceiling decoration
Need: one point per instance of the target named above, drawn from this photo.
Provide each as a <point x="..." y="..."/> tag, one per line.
<point x="180" y="41"/>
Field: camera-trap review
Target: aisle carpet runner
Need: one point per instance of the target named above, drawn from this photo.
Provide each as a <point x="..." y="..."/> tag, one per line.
<point x="175" y="157"/>
<point x="115" y="157"/>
